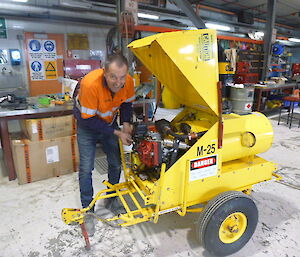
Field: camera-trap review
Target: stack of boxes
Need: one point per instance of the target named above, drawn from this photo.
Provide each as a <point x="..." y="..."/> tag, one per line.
<point x="48" y="149"/>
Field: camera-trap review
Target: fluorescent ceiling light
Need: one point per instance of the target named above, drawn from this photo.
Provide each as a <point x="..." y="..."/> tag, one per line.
<point x="18" y="27"/>
<point x="21" y="1"/>
<point x="217" y="26"/>
<point x="148" y="16"/>
<point x="292" y="39"/>
<point x="76" y="3"/>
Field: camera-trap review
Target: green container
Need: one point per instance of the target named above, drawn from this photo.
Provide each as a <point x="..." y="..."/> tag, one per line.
<point x="44" y="100"/>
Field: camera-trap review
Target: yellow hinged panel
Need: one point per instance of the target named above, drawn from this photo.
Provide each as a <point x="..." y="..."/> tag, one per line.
<point x="188" y="67"/>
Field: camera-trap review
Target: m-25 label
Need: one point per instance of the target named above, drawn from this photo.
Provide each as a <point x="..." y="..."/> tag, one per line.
<point x="209" y="149"/>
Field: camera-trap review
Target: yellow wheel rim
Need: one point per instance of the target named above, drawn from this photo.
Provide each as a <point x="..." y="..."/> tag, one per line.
<point x="233" y="227"/>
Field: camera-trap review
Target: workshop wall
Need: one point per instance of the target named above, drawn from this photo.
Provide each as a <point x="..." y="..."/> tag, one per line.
<point x="13" y="79"/>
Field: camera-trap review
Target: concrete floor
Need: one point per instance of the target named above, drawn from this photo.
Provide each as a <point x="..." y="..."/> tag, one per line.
<point x="31" y="224"/>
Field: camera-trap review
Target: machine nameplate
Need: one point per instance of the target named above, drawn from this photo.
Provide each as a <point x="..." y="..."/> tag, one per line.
<point x="206" y="50"/>
<point x="203" y="167"/>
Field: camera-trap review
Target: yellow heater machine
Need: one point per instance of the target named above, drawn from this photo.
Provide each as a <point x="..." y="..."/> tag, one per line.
<point x="201" y="161"/>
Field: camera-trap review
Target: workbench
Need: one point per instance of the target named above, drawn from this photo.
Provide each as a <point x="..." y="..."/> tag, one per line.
<point x="30" y="113"/>
<point x="259" y="90"/>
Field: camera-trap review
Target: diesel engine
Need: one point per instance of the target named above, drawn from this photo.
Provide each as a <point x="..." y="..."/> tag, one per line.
<point x="158" y="142"/>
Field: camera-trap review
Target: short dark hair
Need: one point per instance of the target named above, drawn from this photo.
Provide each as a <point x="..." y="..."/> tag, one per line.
<point x="119" y="59"/>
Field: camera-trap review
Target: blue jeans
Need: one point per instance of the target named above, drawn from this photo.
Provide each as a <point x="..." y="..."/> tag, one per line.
<point x="87" y="140"/>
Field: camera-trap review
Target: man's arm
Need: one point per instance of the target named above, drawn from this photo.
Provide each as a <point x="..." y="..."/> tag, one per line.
<point x="126" y="112"/>
<point x="126" y="117"/>
<point x="100" y="126"/>
<point x="93" y="123"/>
<point x="125" y="137"/>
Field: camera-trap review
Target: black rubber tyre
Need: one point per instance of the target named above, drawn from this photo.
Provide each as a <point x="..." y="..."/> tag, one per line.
<point x="219" y="209"/>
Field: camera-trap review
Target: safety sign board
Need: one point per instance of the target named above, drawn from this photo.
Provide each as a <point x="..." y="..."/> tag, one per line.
<point x="203" y="167"/>
<point x="36" y="70"/>
<point x="3" y="28"/>
<point x="50" y="69"/>
<point x="42" y="59"/>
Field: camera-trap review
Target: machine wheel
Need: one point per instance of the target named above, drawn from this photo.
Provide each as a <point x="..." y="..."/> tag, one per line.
<point x="227" y="223"/>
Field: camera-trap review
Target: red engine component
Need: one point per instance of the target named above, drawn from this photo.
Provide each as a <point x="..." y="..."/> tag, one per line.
<point x="150" y="153"/>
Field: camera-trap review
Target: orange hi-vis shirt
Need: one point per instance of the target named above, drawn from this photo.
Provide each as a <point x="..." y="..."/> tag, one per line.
<point x="95" y="98"/>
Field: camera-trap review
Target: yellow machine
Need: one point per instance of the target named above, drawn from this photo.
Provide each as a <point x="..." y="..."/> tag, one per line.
<point x="201" y="161"/>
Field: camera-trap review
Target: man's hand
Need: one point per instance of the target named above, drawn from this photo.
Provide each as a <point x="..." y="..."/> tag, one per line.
<point x="127" y="128"/>
<point x="125" y="137"/>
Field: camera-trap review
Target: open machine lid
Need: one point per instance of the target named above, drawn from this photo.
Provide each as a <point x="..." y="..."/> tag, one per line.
<point x="186" y="62"/>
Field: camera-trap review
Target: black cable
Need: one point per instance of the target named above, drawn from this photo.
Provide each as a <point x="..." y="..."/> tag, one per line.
<point x="157" y="103"/>
<point x="175" y="152"/>
<point x="110" y="46"/>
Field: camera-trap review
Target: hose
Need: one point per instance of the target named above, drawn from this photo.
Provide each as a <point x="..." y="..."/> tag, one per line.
<point x="163" y="127"/>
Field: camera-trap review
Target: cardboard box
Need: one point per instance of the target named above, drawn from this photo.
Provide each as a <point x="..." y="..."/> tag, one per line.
<point x="48" y="128"/>
<point x="38" y="160"/>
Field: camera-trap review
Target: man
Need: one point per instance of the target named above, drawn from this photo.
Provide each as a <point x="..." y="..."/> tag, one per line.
<point x="103" y="93"/>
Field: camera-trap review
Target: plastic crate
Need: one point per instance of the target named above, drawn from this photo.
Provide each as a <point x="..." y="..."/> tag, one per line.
<point x="246" y="78"/>
<point x="243" y="67"/>
<point x="287" y="103"/>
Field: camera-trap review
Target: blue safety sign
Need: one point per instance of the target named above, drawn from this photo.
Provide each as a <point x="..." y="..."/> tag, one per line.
<point x="49" y="46"/>
<point x="36" y="66"/>
<point x="35" y="45"/>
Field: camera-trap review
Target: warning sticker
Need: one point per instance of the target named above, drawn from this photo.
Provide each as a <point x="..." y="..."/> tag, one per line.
<point x="203" y="167"/>
<point x="50" y="69"/>
<point x="248" y="106"/>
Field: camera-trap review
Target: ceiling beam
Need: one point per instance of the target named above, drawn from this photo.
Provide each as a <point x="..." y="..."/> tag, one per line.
<point x="187" y="8"/>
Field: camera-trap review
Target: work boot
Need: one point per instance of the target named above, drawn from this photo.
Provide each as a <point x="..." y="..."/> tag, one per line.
<point x="114" y="205"/>
<point x="89" y="224"/>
